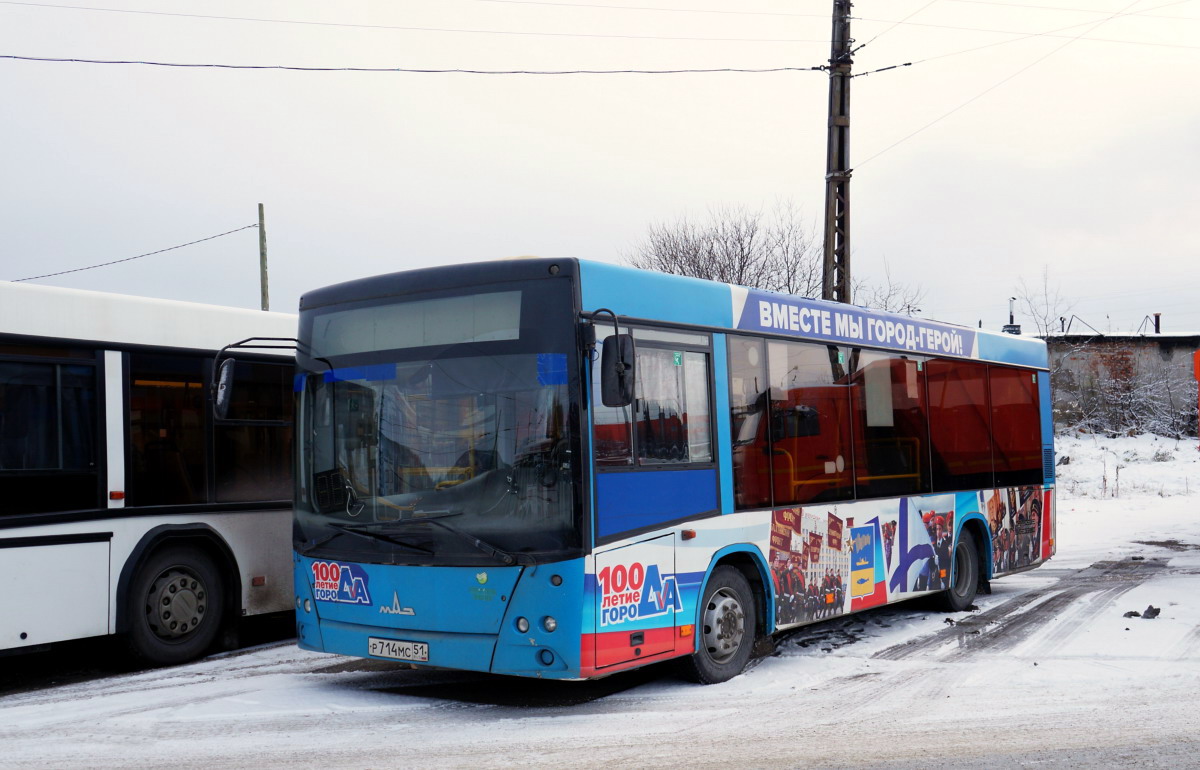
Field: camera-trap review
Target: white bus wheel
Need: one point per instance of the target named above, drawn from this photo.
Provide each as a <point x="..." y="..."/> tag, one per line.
<point x="174" y="606"/>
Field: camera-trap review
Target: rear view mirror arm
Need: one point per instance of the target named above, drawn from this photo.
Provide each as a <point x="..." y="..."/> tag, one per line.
<point x="616" y="365"/>
<point x="222" y="371"/>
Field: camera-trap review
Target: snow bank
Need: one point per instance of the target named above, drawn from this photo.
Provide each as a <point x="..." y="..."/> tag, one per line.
<point x="1098" y="467"/>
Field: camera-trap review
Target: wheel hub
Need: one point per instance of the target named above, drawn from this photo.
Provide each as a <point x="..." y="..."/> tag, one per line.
<point x="176" y="603"/>
<point x="724" y="625"/>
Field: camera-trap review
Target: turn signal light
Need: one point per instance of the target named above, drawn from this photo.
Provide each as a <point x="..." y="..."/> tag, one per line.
<point x="687" y="630"/>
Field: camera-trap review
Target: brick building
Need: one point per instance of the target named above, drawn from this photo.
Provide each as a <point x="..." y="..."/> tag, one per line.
<point x="1125" y="382"/>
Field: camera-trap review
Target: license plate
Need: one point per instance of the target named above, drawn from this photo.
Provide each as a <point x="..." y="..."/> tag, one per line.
<point x="397" y="649"/>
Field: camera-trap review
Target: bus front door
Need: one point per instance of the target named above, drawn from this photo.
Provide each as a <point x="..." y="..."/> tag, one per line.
<point x="637" y="599"/>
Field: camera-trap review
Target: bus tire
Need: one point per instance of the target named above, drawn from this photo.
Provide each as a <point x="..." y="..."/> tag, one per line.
<point x="174" y="606"/>
<point x="726" y="630"/>
<point x="965" y="576"/>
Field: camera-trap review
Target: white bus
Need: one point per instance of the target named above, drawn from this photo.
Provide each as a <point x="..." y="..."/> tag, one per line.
<point x="126" y="507"/>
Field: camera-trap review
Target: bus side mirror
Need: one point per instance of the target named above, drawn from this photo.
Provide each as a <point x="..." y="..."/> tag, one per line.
<point x="223" y="389"/>
<point x="616" y="370"/>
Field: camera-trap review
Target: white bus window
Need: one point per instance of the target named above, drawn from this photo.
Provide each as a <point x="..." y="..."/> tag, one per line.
<point x="261" y="391"/>
<point x="167" y="412"/>
<point x="252" y="462"/>
<point x="47" y="437"/>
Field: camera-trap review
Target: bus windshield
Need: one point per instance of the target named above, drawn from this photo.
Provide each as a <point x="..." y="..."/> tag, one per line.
<point x="462" y="452"/>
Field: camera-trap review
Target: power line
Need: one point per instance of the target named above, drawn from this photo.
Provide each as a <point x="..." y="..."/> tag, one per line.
<point x="991" y="88"/>
<point x="414" y="70"/>
<point x="1141" y="14"/>
<point x="1053" y="34"/>
<point x="139" y="256"/>
<point x="656" y="8"/>
<point x="546" y="3"/>
<point x="896" y="24"/>
<point x="1072" y="39"/>
<point x="1021" y="35"/>
<point x="458" y="30"/>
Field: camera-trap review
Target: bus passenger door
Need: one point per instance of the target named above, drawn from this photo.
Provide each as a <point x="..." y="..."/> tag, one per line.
<point x="636" y="601"/>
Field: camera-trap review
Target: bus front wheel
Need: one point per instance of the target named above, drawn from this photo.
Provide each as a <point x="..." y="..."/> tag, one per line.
<point x="727" y="628"/>
<point x="965" y="576"/>
<point x="174" y="606"/>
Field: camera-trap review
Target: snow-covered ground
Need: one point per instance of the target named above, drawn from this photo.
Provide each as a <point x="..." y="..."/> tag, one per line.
<point x="1115" y="492"/>
<point x="1047" y="669"/>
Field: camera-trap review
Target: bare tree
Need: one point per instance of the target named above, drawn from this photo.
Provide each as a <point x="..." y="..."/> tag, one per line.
<point x="890" y="295"/>
<point x="1044" y="305"/>
<point x="797" y="255"/>
<point x="780" y="252"/>
<point x="1075" y="403"/>
<point x="735" y="245"/>
<point x="1124" y="393"/>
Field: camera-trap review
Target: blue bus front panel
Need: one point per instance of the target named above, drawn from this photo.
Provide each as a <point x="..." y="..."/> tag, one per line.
<point x="513" y="620"/>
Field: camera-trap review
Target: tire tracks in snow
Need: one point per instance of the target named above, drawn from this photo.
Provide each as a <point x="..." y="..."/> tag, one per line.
<point x="919" y="667"/>
<point x="1076" y="598"/>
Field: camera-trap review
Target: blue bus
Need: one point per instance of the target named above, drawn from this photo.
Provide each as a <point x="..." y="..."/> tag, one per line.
<point x="563" y="469"/>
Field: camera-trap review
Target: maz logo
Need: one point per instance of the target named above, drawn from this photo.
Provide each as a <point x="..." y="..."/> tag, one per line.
<point x="396" y="609"/>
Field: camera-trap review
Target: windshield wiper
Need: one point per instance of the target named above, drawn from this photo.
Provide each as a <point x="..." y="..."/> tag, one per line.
<point x="504" y="556"/>
<point x="362" y="531"/>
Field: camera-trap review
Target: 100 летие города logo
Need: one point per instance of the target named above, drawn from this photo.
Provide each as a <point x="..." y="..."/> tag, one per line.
<point x="633" y="591"/>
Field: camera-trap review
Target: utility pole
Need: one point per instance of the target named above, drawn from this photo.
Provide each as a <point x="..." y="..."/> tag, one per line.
<point x="262" y="258"/>
<point x="836" y="278"/>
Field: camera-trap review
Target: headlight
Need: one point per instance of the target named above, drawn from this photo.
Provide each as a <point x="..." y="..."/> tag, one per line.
<point x="522" y="625"/>
<point x="549" y="623"/>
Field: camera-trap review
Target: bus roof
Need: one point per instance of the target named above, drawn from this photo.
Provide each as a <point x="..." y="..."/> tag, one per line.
<point x="646" y="295"/>
<point x="649" y="295"/>
<point x="93" y="316"/>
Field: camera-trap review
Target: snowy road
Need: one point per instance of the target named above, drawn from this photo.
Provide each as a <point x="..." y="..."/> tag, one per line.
<point x="1047" y="670"/>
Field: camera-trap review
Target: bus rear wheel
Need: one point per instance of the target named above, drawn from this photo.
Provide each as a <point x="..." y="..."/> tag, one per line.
<point x="965" y="576"/>
<point x="727" y="628"/>
<point x="174" y="606"/>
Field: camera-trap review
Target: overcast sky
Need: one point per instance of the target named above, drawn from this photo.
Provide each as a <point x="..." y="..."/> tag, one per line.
<point x="1010" y="147"/>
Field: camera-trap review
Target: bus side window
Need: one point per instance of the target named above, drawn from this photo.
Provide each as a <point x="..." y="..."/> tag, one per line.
<point x="612" y="438"/>
<point x="960" y="425"/>
<point x="672" y="407"/>
<point x="810" y="423"/>
<point x="699" y="411"/>
<point x="47" y="465"/>
<point x="747" y="406"/>
<point x="1017" y="427"/>
<point x="253" y="447"/>
<point x="891" y="445"/>
<point x="167" y="425"/>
